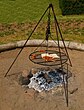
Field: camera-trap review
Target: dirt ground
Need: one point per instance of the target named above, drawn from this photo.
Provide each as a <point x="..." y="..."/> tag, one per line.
<point x="15" y="97"/>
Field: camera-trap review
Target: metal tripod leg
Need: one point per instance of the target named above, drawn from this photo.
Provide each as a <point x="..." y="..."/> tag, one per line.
<point x="65" y="82"/>
<point x="67" y="87"/>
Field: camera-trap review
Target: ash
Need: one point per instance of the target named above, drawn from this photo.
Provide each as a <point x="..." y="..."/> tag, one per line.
<point x="46" y="80"/>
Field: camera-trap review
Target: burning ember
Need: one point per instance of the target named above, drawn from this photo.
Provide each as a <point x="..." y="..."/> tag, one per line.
<point x="45" y="79"/>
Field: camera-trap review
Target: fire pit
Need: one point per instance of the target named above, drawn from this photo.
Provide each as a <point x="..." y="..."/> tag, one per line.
<point x="46" y="79"/>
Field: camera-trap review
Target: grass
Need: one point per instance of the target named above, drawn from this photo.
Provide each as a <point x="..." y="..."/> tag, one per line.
<point x="23" y="10"/>
<point x="18" y="18"/>
<point x="72" y="31"/>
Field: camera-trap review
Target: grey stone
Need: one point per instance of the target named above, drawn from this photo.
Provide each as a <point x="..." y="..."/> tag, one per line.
<point x="34" y="70"/>
<point x="71" y="45"/>
<point x="25" y="73"/>
<point x="24" y="79"/>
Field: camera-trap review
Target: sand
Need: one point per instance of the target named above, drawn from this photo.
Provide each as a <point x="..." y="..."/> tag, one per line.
<point x="15" y="97"/>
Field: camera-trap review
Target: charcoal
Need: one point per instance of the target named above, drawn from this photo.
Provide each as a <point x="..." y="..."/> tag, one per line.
<point x="45" y="80"/>
<point x="30" y="75"/>
<point x="24" y="80"/>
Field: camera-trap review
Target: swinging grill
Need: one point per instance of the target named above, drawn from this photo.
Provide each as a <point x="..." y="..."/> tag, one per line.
<point x="36" y="57"/>
<point x="62" y="56"/>
<point x="51" y="57"/>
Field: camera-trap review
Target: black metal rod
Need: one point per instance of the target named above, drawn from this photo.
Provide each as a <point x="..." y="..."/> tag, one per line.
<point x="56" y="43"/>
<point x="39" y="45"/>
<point x="67" y="87"/>
<point x="57" y="37"/>
<point x="65" y="82"/>
<point x="26" y="42"/>
<point x="61" y="35"/>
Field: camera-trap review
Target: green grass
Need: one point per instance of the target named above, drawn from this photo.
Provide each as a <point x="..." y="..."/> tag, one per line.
<point x="24" y="10"/>
<point x="20" y="12"/>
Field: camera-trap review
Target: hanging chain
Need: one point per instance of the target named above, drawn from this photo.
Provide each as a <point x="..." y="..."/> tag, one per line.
<point x="48" y="27"/>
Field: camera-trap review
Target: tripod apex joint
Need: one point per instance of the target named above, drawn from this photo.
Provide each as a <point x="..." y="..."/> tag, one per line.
<point x="50" y="5"/>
